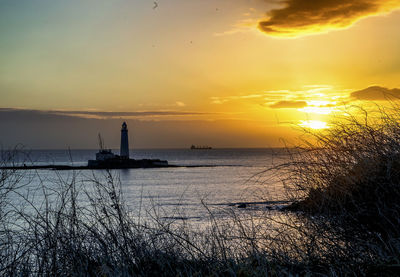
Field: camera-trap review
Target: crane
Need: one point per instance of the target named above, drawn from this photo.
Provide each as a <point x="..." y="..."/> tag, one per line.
<point x="101" y="143"/>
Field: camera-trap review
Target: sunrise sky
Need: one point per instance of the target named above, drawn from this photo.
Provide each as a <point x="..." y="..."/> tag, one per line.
<point x="240" y="73"/>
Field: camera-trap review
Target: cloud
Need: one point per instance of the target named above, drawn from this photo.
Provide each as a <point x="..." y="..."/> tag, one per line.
<point x="39" y="129"/>
<point x="221" y="100"/>
<point x="242" y="26"/>
<point x="376" y="93"/>
<point x="253" y="97"/>
<point x="102" y="114"/>
<point x="180" y="104"/>
<point x="289" y="105"/>
<point x="300" y="17"/>
<point x="318" y="96"/>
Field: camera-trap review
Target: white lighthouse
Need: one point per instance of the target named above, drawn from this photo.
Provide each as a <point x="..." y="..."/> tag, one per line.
<point x="124" y="150"/>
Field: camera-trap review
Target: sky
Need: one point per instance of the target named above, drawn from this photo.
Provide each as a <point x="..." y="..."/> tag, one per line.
<point x="243" y="73"/>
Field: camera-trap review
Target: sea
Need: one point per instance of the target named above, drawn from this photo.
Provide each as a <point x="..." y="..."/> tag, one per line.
<point x="205" y="180"/>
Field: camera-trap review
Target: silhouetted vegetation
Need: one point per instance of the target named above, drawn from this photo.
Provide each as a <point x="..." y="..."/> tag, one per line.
<point x="347" y="182"/>
<point x="345" y="185"/>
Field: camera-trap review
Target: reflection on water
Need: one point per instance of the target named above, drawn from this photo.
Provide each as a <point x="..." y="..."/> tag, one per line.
<point x="233" y="176"/>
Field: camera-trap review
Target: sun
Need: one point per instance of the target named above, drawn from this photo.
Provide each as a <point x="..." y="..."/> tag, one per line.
<point x="314" y="124"/>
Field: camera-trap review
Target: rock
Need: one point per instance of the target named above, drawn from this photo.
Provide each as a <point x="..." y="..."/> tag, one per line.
<point x="294" y="207"/>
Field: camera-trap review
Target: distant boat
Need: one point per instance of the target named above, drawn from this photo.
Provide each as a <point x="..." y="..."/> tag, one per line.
<point x="194" y="147"/>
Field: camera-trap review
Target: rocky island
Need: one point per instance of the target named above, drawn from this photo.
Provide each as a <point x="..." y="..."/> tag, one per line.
<point x="105" y="159"/>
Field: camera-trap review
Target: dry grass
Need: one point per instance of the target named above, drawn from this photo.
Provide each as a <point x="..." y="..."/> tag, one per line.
<point x="347" y="186"/>
<point x="344" y="221"/>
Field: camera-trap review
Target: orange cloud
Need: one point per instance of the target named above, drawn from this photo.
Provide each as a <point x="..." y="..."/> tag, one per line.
<point x="376" y="93"/>
<point x="300" y="17"/>
<point x="289" y="105"/>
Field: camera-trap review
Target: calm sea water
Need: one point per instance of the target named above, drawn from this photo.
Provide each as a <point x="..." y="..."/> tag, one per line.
<point x="224" y="178"/>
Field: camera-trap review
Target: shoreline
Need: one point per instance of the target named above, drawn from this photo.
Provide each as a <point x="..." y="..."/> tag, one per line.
<point x="86" y="167"/>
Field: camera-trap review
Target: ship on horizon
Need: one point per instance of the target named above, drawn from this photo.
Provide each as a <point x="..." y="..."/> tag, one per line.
<point x="205" y="147"/>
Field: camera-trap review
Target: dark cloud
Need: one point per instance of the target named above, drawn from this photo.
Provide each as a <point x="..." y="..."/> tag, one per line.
<point x="103" y="114"/>
<point x="289" y="104"/>
<point x="376" y="93"/>
<point x="298" y="17"/>
<point x="42" y="130"/>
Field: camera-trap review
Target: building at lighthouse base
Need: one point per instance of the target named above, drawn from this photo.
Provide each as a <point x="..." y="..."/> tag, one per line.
<point x="106" y="159"/>
<point x="117" y="162"/>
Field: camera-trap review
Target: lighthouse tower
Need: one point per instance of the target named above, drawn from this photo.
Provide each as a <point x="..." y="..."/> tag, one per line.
<point x="124" y="150"/>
